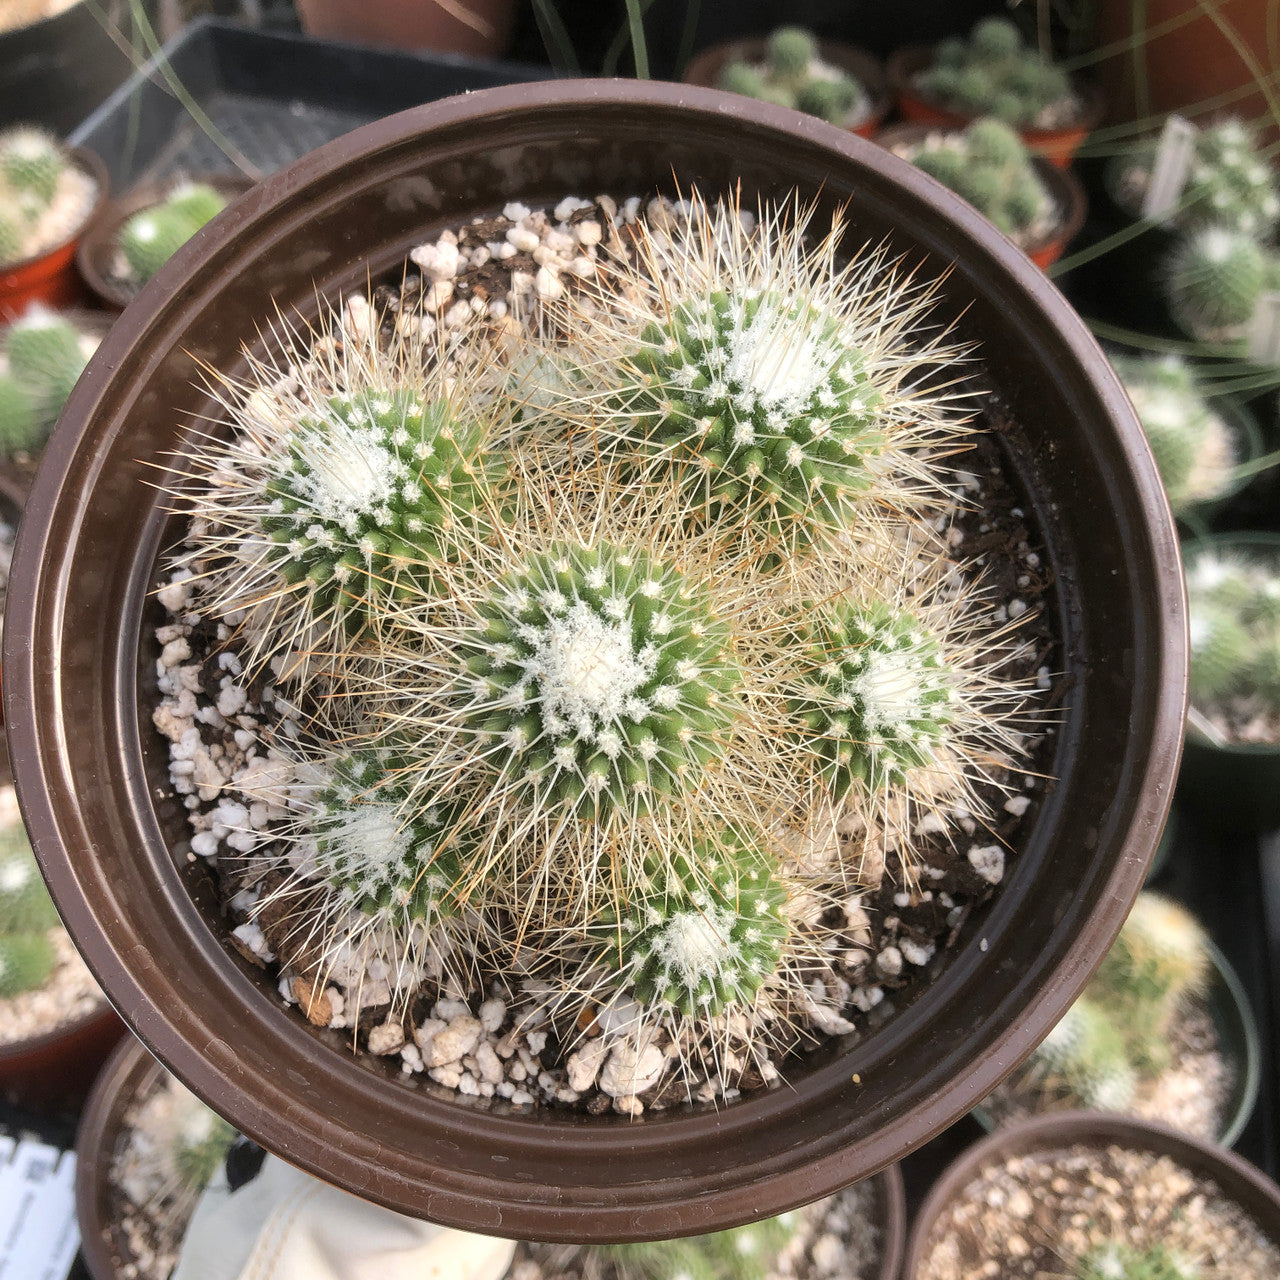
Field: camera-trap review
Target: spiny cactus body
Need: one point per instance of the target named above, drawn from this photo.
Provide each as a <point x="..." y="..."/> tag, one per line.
<point x="793" y="75"/>
<point x="46" y="354"/>
<point x="1214" y="280"/>
<point x="989" y="166"/>
<point x="197" y="201"/>
<point x="32" y="163"/>
<point x="1115" y="1261"/>
<point x="1087" y="1054"/>
<point x="26" y="961"/>
<point x="20" y="425"/>
<point x="151" y="237"/>
<point x="25" y="905"/>
<point x="994" y="74"/>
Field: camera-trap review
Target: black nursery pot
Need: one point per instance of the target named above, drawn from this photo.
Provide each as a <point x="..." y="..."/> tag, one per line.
<point x="93" y="776"/>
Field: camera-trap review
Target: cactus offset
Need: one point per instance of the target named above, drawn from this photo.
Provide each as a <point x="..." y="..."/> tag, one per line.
<point x="794" y="75"/>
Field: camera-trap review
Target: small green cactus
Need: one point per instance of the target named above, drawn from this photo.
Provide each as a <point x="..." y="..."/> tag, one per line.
<point x="1087" y="1054"/>
<point x="200" y="1146"/>
<point x="32" y="163"/>
<point x="21" y="429"/>
<point x="1214" y="281"/>
<point x="150" y="238"/>
<point x="743" y="1253"/>
<point x="1179" y="425"/>
<point x="703" y="934"/>
<point x="879" y="700"/>
<point x="988" y="165"/>
<point x="1116" y="1261"/>
<point x="790" y="51"/>
<point x="25" y="905"/>
<point x="994" y="74"/>
<point x="197" y="201"/>
<point x="26" y="961"/>
<point x="793" y="75"/>
<point x="46" y="353"/>
<point x="601" y="676"/>
<point x="376" y="857"/>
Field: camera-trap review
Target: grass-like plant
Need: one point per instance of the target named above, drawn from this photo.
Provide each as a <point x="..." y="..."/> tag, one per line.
<point x="587" y="637"/>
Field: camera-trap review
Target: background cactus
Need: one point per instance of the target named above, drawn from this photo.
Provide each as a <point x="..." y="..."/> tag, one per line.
<point x="153" y="235"/>
<point x="26" y="961"/>
<point x="44" y="199"/>
<point x="200" y="1146"/>
<point x="1214" y="280"/>
<point x="25" y="905"/>
<point x="1193" y="446"/>
<point x="988" y="165"/>
<point x="794" y="75"/>
<point x="45" y="354"/>
<point x="744" y="1253"/>
<point x="1116" y="1261"/>
<point x="994" y="74"/>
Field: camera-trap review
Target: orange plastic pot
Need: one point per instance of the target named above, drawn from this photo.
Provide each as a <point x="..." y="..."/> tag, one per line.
<point x="50" y="277"/>
<point x="1057" y="146"/>
<point x="1065" y="188"/>
<point x="705" y="70"/>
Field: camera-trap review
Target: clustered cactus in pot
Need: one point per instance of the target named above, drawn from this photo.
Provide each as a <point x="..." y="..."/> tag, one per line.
<point x="43" y="355"/>
<point x="795" y="75"/>
<point x="607" y="661"/>
<point x="44" y="197"/>
<point x="993" y="73"/>
<point x="153" y="235"/>
<point x="1214" y="279"/>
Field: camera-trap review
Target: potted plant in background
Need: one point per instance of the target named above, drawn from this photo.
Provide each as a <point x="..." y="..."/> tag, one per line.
<point x="845" y="1126"/>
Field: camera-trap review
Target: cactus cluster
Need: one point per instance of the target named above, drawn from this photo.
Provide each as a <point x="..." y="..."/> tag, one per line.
<point x="794" y="75"/>
<point x="988" y="165"/>
<point x="743" y="1253"/>
<point x="1234" y="619"/>
<point x="152" y="236"/>
<point x="1117" y="1261"/>
<point x="994" y="73"/>
<point x="44" y="353"/>
<point x="697" y="607"/>
<point x="27" y="915"/>
<point x="1214" y="280"/>
<point x="44" y="198"/>
<point x="1116" y="1034"/>
<point x="1193" y="446"/>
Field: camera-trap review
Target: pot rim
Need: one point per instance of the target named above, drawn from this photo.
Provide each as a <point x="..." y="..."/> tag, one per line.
<point x="1067" y="1128"/>
<point x="88" y="162"/>
<point x="212" y="1070"/>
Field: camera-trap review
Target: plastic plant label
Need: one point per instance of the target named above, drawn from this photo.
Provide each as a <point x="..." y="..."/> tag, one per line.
<point x="1264" y="330"/>
<point x="1169" y="173"/>
<point x="38" y="1233"/>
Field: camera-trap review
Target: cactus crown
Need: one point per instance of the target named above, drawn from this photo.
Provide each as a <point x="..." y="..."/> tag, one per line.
<point x="793" y="75"/>
<point x="153" y="235"/>
<point x="994" y="74"/>
<point x="1234" y="620"/>
<point x="1179" y="425"/>
<point x="1214" y="280"/>
<point x="988" y="165"/>
<point x="559" y="659"/>
<point x="1116" y="1261"/>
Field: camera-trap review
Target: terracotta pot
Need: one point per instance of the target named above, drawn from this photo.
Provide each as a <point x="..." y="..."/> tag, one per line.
<point x="1065" y="188"/>
<point x="132" y="1071"/>
<point x="414" y="24"/>
<point x="50" y="277"/>
<point x="97" y="250"/>
<point x="1237" y="1029"/>
<point x="705" y="70"/>
<point x="92" y="775"/>
<point x="1055" y="145"/>
<point x="1236" y="1177"/>
<point x="1234" y="787"/>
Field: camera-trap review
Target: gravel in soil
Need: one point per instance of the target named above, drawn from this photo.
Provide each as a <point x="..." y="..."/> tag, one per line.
<point x="500" y="1041"/>
<point x="1033" y="1216"/>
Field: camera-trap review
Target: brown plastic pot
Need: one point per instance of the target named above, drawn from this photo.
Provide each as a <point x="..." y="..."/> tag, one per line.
<point x="1063" y="185"/>
<point x="50" y="277"/>
<point x="131" y="1072"/>
<point x="484" y="32"/>
<point x="97" y="250"/>
<point x="705" y="70"/>
<point x="1058" y="146"/>
<point x="54" y="1071"/>
<point x="1236" y="1178"/>
<point x="93" y="776"/>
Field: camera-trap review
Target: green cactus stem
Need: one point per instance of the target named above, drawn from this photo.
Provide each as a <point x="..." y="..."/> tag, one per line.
<point x="1087" y="1053"/>
<point x="26" y="961"/>
<point x="196" y="201"/>
<point x="45" y="354"/>
<point x="744" y="1253"/>
<point x="703" y="935"/>
<point x="151" y="237"/>
<point x="21" y="428"/>
<point x="601" y="673"/>
<point x="25" y="905"/>
<point x="13" y="239"/>
<point x="879" y="699"/>
<point x="794" y="75"/>
<point x="1214" y="280"/>
<point x="791" y="50"/>
<point x="32" y="163"/>
<point x="201" y="1146"/>
<point x="1116" y="1261"/>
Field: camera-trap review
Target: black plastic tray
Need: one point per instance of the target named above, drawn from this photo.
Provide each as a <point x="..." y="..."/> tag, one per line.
<point x="270" y="96"/>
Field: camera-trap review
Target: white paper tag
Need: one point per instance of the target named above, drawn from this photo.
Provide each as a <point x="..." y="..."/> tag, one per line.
<point x="38" y="1233"/>
<point x="1264" y="329"/>
<point x="1169" y="173"/>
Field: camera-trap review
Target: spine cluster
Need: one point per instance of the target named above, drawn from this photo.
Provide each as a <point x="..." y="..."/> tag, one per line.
<point x="638" y="609"/>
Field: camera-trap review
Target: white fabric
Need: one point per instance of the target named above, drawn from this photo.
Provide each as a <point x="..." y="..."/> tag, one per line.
<point x="286" y="1225"/>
